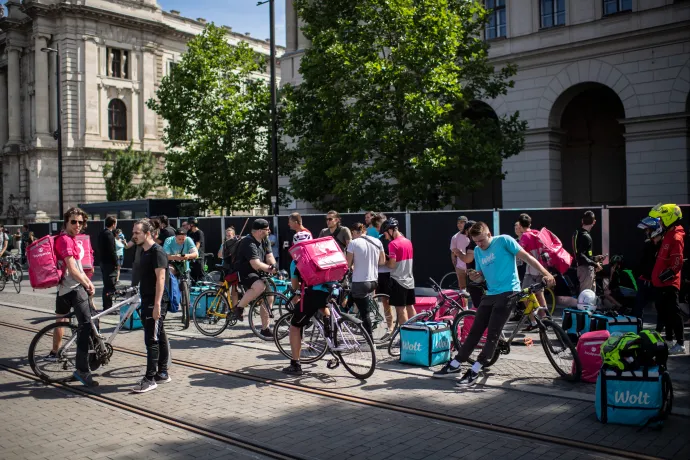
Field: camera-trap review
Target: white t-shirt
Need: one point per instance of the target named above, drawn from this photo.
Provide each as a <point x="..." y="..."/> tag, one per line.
<point x="365" y="250"/>
<point x="460" y="241"/>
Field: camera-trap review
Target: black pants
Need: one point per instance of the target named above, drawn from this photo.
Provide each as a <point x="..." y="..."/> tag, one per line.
<point x="196" y="268"/>
<point x="156" y="340"/>
<point x="476" y="293"/>
<point x="667" y="305"/>
<point x="361" y="293"/>
<point x="493" y="312"/>
<point x="78" y="300"/>
<point x="109" y="279"/>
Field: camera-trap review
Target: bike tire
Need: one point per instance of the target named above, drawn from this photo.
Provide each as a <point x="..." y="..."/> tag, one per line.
<point x="450" y="279"/>
<point x="379" y="326"/>
<point x="314" y="345"/>
<point x="3" y="280"/>
<point x="184" y="304"/>
<point x="66" y="360"/>
<point x="353" y="336"/>
<point x="394" y="344"/>
<point x="459" y="324"/>
<point x="275" y="310"/>
<point x="17" y="276"/>
<point x="215" y="321"/>
<point x="571" y="372"/>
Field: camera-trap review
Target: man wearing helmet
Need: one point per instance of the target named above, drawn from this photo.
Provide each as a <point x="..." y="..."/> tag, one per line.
<point x="666" y="273"/>
<point x="400" y="261"/>
<point x="645" y="290"/>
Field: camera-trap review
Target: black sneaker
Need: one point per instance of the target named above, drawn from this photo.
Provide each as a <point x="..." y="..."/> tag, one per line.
<point x="162" y="377"/>
<point x="469" y="379"/>
<point x="266" y="332"/>
<point x="86" y="378"/>
<point x="294" y="369"/>
<point x="51" y="358"/>
<point x="238" y="314"/>
<point x="531" y="328"/>
<point x="448" y="371"/>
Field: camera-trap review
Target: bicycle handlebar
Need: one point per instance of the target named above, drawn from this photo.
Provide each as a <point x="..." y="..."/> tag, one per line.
<point x="127" y="292"/>
<point x="528" y="290"/>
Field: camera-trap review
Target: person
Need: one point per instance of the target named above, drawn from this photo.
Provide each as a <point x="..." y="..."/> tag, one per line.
<point x="154" y="305"/>
<point x="400" y="262"/>
<point x="254" y="256"/>
<point x="180" y="250"/>
<point x="4" y="240"/>
<point x="165" y="231"/>
<point x="119" y="251"/>
<point x="74" y="291"/>
<point x="666" y="274"/>
<point x="525" y="234"/>
<point x="17" y="237"/>
<point x="333" y="228"/>
<point x="109" y="264"/>
<point x="458" y="245"/>
<point x="315" y="299"/>
<point x="383" y="285"/>
<point x="364" y="255"/>
<point x="227" y="254"/>
<point x="295" y="224"/>
<point x="275" y="249"/>
<point x="475" y="290"/>
<point x="495" y="259"/>
<point x="645" y="289"/>
<point x="371" y="229"/>
<point x="25" y="241"/>
<point x="185" y="226"/>
<point x="587" y="264"/>
<point x="197" y="235"/>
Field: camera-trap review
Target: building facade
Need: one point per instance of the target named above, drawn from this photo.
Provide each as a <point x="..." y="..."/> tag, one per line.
<point x="604" y="87"/>
<point x="113" y="55"/>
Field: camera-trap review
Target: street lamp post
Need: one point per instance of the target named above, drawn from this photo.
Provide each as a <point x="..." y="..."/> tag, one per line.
<point x="57" y="135"/>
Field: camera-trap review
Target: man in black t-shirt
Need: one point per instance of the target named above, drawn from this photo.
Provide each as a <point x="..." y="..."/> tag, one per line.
<point x="197" y="236"/>
<point x="153" y="268"/>
<point x="166" y="231"/>
<point x="253" y="257"/>
<point x="109" y="264"/>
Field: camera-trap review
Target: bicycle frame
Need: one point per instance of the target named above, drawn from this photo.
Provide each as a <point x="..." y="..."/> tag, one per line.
<point x="532" y="307"/>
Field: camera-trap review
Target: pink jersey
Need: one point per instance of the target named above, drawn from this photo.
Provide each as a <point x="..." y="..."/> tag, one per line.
<point x="400" y="249"/>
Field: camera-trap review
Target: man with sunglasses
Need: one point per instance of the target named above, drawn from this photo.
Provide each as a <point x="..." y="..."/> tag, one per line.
<point x="333" y="228"/>
<point x="74" y="290"/>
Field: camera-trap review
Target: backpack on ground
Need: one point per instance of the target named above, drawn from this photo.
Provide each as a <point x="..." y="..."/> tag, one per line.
<point x="653" y="349"/>
<point x="589" y="351"/>
<point x="425" y="343"/>
<point x="44" y="270"/>
<point x="620" y="351"/>
<point x="550" y="249"/>
<point x="174" y="294"/>
<point x="319" y="261"/>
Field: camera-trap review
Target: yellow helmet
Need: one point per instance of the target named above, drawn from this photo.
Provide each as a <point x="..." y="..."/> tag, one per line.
<point x="668" y="213"/>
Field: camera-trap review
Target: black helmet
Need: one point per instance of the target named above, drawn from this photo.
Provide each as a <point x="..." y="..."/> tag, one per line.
<point x="617" y="260"/>
<point x="390" y="223"/>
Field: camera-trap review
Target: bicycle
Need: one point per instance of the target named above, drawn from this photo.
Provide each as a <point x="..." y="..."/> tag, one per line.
<point x="11" y="270"/>
<point x="61" y="367"/>
<point x="555" y="342"/>
<point x="347" y="338"/>
<point x="450" y="310"/>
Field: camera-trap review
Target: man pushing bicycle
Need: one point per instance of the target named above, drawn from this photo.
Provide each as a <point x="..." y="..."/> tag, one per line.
<point x="495" y="259"/>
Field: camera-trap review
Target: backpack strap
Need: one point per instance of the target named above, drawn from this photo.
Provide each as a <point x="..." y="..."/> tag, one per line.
<point x="666" y="401"/>
<point x="603" y="399"/>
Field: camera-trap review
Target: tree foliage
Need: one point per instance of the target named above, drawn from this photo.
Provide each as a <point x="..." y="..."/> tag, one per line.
<point x="123" y="167"/>
<point x="386" y="115"/>
<point x="216" y="107"/>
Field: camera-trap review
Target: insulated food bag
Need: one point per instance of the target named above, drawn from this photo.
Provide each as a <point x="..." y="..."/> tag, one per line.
<point x="202" y="306"/>
<point x="425" y="343"/>
<point x="133" y="323"/>
<point x="319" y="261"/>
<point x="639" y="397"/>
<point x="589" y="351"/>
<point x="43" y="264"/>
<point x="424" y="303"/>
<point x="616" y="323"/>
<point x="86" y="252"/>
<point x="576" y="322"/>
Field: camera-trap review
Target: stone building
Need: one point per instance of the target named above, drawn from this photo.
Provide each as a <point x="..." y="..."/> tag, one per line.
<point x="603" y="85"/>
<point x="113" y="55"/>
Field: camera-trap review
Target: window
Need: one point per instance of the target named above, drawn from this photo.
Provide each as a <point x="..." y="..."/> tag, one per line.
<point x="171" y="66"/>
<point x="552" y="13"/>
<point x="617" y="6"/>
<point x="117" y="120"/>
<point x="117" y="63"/>
<point x="497" y="19"/>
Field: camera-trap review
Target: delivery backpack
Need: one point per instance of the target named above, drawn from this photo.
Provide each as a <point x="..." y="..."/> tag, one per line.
<point x="44" y="272"/>
<point x="631" y="351"/>
<point x="550" y="249"/>
<point x="319" y="261"/>
<point x="87" y="260"/>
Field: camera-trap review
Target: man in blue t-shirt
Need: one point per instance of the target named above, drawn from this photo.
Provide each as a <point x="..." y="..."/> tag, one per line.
<point x="495" y="259"/>
<point x="180" y="250"/>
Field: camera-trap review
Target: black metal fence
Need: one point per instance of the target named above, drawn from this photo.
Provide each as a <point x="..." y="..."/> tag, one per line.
<point x="614" y="233"/>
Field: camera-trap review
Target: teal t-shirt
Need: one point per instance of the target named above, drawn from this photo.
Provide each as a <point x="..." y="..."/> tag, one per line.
<point x="371" y="231"/>
<point x="497" y="264"/>
<point x="171" y="247"/>
<point x="294" y="273"/>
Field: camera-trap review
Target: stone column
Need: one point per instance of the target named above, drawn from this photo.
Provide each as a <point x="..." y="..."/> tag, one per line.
<point x="41" y="97"/>
<point x="533" y="177"/>
<point x="14" y="117"/>
<point x="656" y="153"/>
<point x="90" y="98"/>
<point x="148" y="82"/>
<point x="3" y="110"/>
<point x="52" y="78"/>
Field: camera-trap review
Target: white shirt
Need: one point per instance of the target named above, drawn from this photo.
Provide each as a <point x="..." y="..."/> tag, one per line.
<point x="365" y="251"/>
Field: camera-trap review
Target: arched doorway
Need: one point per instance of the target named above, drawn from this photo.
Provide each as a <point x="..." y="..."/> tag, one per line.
<point x="593" y="147"/>
<point x="490" y="195"/>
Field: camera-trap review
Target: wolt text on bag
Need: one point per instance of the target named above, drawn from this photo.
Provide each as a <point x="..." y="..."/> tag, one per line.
<point x="319" y="261"/>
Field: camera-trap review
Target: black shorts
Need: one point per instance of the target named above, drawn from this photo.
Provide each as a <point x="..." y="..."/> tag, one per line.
<point x="400" y="296"/>
<point x="312" y="302"/>
<point x="247" y="280"/>
<point x="62" y="307"/>
<point x="384" y="286"/>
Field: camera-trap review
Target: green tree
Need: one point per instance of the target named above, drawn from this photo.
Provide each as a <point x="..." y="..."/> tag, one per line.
<point x="216" y="107"/>
<point x="385" y="116"/>
<point x="123" y="167"/>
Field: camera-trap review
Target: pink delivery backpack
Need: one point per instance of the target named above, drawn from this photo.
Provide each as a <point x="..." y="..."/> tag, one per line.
<point x="589" y="351"/>
<point x="43" y="263"/>
<point x="319" y="261"/>
<point x="87" y="260"/>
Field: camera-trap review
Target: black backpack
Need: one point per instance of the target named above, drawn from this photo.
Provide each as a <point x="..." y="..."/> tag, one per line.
<point x="653" y="350"/>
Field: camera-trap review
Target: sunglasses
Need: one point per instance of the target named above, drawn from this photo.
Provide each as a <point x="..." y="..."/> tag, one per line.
<point x="76" y="222"/>
<point x="328" y="219"/>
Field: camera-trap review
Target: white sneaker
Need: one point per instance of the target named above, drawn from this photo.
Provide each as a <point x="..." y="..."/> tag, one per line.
<point x="145" y="385"/>
<point x="677" y="349"/>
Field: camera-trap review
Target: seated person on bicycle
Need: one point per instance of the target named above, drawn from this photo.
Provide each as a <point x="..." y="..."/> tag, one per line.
<point x="180" y="250"/>
<point x="495" y="259"/>
<point x="253" y="257"/>
<point x="315" y="299"/>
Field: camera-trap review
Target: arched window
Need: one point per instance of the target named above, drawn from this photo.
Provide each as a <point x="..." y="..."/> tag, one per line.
<point x="117" y="120"/>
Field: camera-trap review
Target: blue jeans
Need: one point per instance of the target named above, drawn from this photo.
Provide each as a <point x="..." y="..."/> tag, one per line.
<point x="645" y="294"/>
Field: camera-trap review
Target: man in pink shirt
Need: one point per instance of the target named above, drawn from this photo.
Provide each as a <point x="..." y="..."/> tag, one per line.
<point x="400" y="261"/>
<point x="458" y="248"/>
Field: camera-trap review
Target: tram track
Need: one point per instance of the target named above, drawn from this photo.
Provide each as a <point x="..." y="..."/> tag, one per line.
<point x="367" y="402"/>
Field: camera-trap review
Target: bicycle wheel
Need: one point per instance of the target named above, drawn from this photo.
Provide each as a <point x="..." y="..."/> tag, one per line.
<point x="449" y="281"/>
<point x="184" y="304"/>
<point x="394" y="344"/>
<point x="60" y="367"/>
<point x="210" y="312"/>
<point x="3" y="280"/>
<point x="462" y="324"/>
<point x="355" y="349"/>
<point x="17" y="277"/>
<point x="560" y="351"/>
<point x="379" y="326"/>
<point x="550" y="300"/>
<point x="314" y="345"/>
<point x="273" y="308"/>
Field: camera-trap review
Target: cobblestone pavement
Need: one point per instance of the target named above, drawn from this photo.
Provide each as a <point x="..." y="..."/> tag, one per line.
<point x="521" y="391"/>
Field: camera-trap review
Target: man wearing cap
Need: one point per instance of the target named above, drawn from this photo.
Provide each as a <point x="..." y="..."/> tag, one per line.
<point x="458" y="247"/>
<point x="199" y="240"/>
<point x="253" y="257"/>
